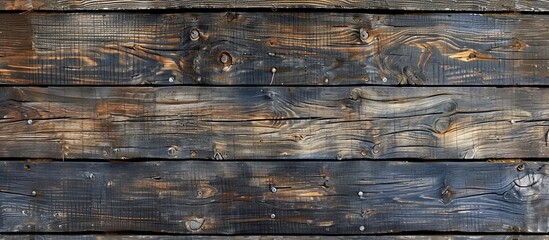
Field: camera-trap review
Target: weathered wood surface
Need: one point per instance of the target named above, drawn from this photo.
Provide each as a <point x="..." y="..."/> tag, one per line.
<point x="311" y="197"/>
<point x="316" y="48"/>
<point x="433" y="5"/>
<point x="245" y="237"/>
<point x="186" y="122"/>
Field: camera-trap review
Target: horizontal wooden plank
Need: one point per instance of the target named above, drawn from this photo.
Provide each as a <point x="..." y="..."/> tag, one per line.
<point x="433" y="5"/>
<point x="315" y="48"/>
<point x="263" y="237"/>
<point x="186" y="122"/>
<point x="258" y="197"/>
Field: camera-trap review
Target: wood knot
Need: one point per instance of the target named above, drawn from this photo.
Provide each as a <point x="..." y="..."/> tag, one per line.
<point x="364" y="35"/>
<point x="376" y="149"/>
<point x="447" y="195"/>
<point x="195" y="224"/>
<point x="356" y="94"/>
<point x="442" y="125"/>
<point x="450" y="106"/>
<point x="174" y="150"/>
<point x="472" y="55"/>
<point x="194" y="34"/>
<point x="231" y="16"/>
<point x="412" y="77"/>
<point x="226" y="59"/>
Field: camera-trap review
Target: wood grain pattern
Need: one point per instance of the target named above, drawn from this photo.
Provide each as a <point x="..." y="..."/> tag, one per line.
<point x="433" y="5"/>
<point x="311" y="197"/>
<point x="186" y="122"/>
<point x="316" y="48"/>
<point x="264" y="237"/>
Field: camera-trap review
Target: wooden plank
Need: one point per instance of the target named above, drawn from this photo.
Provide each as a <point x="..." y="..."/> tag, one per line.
<point x="206" y="197"/>
<point x="434" y="5"/>
<point x="186" y="122"/>
<point x="263" y="237"/>
<point x="315" y="48"/>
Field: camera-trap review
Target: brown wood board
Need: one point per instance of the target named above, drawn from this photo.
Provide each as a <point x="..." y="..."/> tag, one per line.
<point x="243" y="48"/>
<point x="259" y="197"/>
<point x="414" y="5"/>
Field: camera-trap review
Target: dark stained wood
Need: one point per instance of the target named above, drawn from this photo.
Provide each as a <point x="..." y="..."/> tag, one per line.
<point x="315" y="48"/>
<point x="186" y="122"/>
<point x="311" y="197"/>
<point x="433" y="5"/>
<point x="263" y="237"/>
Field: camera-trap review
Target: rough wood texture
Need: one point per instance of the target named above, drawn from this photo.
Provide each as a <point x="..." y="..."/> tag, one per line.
<point x="433" y="5"/>
<point x="305" y="48"/>
<point x="182" y="122"/>
<point x="205" y="197"/>
<point x="215" y="237"/>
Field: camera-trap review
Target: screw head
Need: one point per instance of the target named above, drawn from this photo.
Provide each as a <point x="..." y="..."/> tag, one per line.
<point x="273" y="215"/>
<point x="29" y="122"/>
<point x="360" y="194"/>
<point x="363" y="152"/>
<point x="364" y="34"/>
<point x="384" y="79"/>
<point x="33" y="193"/>
<point x="361" y="228"/>
<point x="273" y="189"/>
<point x="193" y="153"/>
<point x="195" y="34"/>
<point x="171" y="79"/>
<point x="273" y="70"/>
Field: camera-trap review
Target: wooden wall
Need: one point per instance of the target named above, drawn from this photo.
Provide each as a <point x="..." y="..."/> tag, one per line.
<point x="274" y="119"/>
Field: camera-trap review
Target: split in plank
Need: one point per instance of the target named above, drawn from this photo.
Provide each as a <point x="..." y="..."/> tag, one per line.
<point x="191" y="122"/>
<point x="416" y="5"/>
<point x="302" y="197"/>
<point x="243" y="49"/>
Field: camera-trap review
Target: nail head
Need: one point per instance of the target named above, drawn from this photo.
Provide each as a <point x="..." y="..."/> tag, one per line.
<point x="171" y="79"/>
<point x="513" y="121"/>
<point x="384" y="79"/>
<point x="273" y="215"/>
<point x="273" y="189"/>
<point x="361" y="228"/>
<point x="360" y="194"/>
<point x="29" y="122"/>
<point x="273" y="70"/>
<point x="33" y="193"/>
